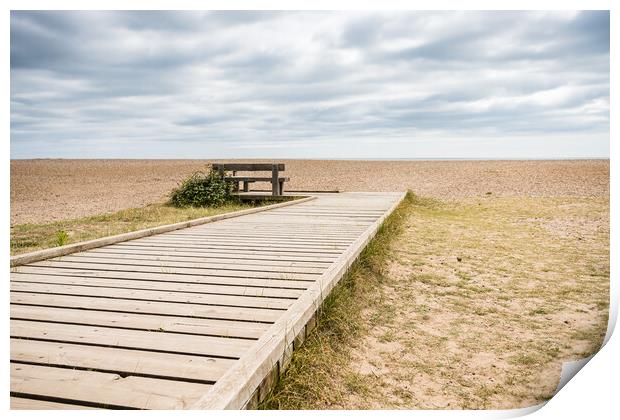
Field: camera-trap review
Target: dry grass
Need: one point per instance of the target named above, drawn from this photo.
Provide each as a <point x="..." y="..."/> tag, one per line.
<point x="30" y="237"/>
<point x="472" y="303"/>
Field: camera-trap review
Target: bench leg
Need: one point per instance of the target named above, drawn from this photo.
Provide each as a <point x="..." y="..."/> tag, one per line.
<point x="274" y="180"/>
<point x="246" y="186"/>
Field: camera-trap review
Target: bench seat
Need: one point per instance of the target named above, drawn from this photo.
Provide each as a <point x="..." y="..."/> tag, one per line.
<point x="254" y="178"/>
<point x="248" y="179"/>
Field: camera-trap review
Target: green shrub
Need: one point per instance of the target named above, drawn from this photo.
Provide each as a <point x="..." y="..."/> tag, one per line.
<point x="202" y="190"/>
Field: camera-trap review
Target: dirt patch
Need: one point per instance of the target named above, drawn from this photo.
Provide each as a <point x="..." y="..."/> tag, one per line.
<point x="56" y="189"/>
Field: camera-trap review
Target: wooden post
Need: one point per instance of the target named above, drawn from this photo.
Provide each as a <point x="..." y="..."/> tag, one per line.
<point x="274" y="180"/>
<point x="246" y="186"/>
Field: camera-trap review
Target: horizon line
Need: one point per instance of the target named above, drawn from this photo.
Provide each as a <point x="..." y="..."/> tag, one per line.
<point x="347" y="158"/>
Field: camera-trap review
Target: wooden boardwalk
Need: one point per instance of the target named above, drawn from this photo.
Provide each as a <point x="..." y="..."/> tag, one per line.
<point x="203" y="317"/>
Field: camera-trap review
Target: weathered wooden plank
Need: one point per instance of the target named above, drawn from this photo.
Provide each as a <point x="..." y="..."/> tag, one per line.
<point x="333" y="221"/>
<point x="293" y="222"/>
<point x="147" y="307"/>
<point x="170" y="270"/>
<point x="30" y="404"/>
<point x="241" y="245"/>
<point x="105" y="389"/>
<point x="159" y="285"/>
<point x="334" y="213"/>
<point x="283" y="231"/>
<point x="187" y="264"/>
<point x="238" y="249"/>
<point x="230" y="253"/>
<point x="265" y="258"/>
<point x="153" y="295"/>
<point x="142" y="340"/>
<point x="268" y="264"/>
<point x="253" y="240"/>
<point x="257" y="224"/>
<point x="237" y="281"/>
<point x="257" y="240"/>
<point x="249" y="167"/>
<point x="127" y="362"/>
<point x="265" y="234"/>
<point x="255" y="178"/>
<point x="150" y="322"/>
<point x="319" y="255"/>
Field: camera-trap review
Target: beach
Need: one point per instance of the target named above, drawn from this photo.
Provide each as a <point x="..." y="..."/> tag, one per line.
<point x="45" y="190"/>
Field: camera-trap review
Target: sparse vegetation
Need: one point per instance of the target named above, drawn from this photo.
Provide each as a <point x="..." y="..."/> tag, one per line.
<point x="472" y="303"/>
<point x="30" y="237"/>
<point x="202" y="189"/>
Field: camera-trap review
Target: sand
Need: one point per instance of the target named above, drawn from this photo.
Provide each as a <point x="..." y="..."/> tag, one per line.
<point x="45" y="190"/>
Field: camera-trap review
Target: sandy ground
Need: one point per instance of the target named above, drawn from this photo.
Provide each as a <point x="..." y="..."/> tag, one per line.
<point x="482" y="302"/>
<point x="55" y="189"/>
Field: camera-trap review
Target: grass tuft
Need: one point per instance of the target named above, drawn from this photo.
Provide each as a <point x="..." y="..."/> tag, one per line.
<point x="61" y="238"/>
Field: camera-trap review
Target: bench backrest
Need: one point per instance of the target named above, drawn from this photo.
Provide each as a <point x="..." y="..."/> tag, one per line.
<point x="248" y="166"/>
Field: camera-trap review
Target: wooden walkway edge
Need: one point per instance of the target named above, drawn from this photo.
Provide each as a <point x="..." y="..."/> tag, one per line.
<point x="203" y="317"/>
<point x="109" y="240"/>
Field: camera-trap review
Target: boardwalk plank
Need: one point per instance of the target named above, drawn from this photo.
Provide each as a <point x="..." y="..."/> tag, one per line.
<point x="147" y="307"/>
<point x="104" y="388"/>
<point x="153" y="295"/>
<point x="240" y="246"/>
<point x="143" y="340"/>
<point x="238" y="281"/>
<point x="30" y="404"/>
<point x="266" y="263"/>
<point x="190" y="264"/>
<point x="160" y="285"/>
<point x="126" y="362"/>
<point x="170" y="270"/>
<point x="150" y="322"/>
<point x="319" y="255"/>
<point x="266" y="256"/>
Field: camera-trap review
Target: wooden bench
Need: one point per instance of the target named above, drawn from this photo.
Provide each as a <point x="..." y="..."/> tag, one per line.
<point x="277" y="182"/>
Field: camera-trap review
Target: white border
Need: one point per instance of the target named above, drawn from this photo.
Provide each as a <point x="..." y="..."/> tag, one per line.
<point x="592" y="393"/>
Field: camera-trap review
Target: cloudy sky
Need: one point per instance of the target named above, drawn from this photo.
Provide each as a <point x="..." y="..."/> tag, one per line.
<point x="309" y="84"/>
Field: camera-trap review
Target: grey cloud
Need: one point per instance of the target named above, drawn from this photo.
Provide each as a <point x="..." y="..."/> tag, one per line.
<point x="163" y="79"/>
<point x="587" y="33"/>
